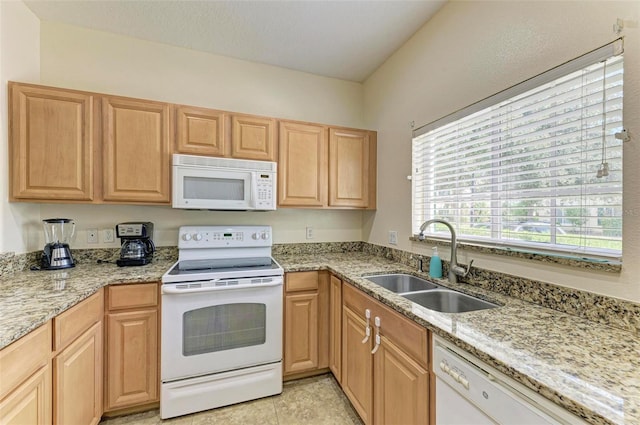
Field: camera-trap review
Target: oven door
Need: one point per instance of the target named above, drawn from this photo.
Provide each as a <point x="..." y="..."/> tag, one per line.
<point x="218" y="326"/>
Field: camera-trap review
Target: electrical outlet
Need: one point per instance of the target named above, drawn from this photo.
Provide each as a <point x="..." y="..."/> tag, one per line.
<point x="309" y="232"/>
<point x="92" y="235"/>
<point x="393" y="237"/>
<point x="108" y="236"/>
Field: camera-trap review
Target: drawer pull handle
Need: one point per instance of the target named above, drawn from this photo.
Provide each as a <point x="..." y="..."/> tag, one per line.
<point x="367" y="331"/>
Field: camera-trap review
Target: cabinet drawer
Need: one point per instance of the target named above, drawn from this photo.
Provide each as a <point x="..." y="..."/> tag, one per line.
<point x="73" y="322"/>
<point x="409" y="336"/>
<point x="301" y="281"/>
<point x="23" y="357"/>
<point x="132" y="296"/>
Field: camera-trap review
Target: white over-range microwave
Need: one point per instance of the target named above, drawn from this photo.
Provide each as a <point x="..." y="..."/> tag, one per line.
<point x="201" y="182"/>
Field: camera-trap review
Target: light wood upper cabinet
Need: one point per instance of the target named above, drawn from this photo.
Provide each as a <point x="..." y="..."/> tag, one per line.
<point x="253" y="137"/>
<point x="51" y="143"/>
<point x="352" y="169"/>
<point x="137" y="163"/>
<point x="302" y="165"/>
<point x="201" y="131"/>
<point x="322" y="167"/>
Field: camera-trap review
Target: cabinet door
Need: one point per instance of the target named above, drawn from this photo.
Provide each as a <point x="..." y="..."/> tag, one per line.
<point x="253" y="137"/>
<point x="132" y="359"/>
<point x="401" y="387"/>
<point x="301" y="333"/>
<point x="302" y="173"/>
<point x="51" y="144"/>
<point x="200" y="131"/>
<point x="136" y="151"/>
<point x="30" y="403"/>
<point x="349" y="168"/>
<point x="357" y="368"/>
<point x="335" y="327"/>
<point x="77" y="394"/>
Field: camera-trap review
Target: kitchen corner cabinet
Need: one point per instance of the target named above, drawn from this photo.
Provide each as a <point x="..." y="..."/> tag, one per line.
<point x="132" y="354"/>
<point x="306" y="324"/>
<point x="335" y="327"/>
<point x="387" y="381"/>
<point x="51" y="143"/>
<point x="253" y="137"/>
<point x="25" y="379"/>
<point x="77" y="365"/>
<point x="302" y="174"/>
<point x="352" y="168"/>
<point x="136" y="135"/>
<point x="201" y="131"/>
<point x="322" y="167"/>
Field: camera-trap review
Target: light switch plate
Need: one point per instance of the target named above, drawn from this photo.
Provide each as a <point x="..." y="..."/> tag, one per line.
<point x="393" y="237"/>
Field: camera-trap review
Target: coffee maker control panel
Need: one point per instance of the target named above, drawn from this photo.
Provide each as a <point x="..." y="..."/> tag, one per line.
<point x="134" y="230"/>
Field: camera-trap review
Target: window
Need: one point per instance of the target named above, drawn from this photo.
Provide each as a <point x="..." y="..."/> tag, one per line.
<point x="537" y="166"/>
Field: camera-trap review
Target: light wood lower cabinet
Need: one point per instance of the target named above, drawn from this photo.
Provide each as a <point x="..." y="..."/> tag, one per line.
<point x="357" y="376"/>
<point x="77" y="365"/>
<point x="78" y="380"/>
<point x="25" y="379"/>
<point x="132" y="368"/>
<point x="335" y="327"/>
<point x="306" y="324"/>
<point x="387" y="382"/>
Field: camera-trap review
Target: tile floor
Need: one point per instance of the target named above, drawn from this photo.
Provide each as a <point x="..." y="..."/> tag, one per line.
<point x="310" y="401"/>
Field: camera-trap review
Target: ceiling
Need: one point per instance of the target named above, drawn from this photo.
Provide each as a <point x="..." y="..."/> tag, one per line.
<point x="345" y="39"/>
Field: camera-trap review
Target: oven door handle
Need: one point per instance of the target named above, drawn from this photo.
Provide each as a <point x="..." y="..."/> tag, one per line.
<point x="174" y="291"/>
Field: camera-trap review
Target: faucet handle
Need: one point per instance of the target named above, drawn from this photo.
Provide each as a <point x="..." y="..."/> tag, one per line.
<point x="460" y="271"/>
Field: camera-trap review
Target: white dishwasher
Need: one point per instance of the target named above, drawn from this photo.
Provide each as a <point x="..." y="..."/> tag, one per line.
<point x="469" y="392"/>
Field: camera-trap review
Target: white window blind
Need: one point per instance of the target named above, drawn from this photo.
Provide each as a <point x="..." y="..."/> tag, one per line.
<point x="522" y="173"/>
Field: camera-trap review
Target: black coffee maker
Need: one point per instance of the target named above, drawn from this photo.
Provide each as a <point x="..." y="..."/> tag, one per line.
<point x="137" y="247"/>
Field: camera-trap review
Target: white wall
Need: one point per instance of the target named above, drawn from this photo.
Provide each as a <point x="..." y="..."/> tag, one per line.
<point x="471" y="50"/>
<point x="96" y="61"/>
<point x="19" y="60"/>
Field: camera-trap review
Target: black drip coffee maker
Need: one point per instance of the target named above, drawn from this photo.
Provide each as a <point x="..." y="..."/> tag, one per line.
<point x="137" y="247"/>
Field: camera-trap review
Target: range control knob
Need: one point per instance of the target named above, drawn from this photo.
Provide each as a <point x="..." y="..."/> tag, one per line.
<point x="197" y="237"/>
<point x="265" y="235"/>
<point x="255" y="236"/>
<point x="186" y="237"/>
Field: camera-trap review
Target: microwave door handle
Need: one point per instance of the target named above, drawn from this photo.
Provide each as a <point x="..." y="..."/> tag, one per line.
<point x="254" y="191"/>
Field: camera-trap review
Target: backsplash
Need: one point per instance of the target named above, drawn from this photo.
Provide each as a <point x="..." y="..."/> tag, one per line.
<point x="621" y="314"/>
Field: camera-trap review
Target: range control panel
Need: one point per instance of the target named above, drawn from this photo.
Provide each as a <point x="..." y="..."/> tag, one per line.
<point x="196" y="237"/>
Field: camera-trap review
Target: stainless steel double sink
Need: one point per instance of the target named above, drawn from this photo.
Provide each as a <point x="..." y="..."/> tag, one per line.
<point x="429" y="294"/>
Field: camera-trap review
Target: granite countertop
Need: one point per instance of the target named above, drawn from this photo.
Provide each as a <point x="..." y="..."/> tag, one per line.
<point x="29" y="299"/>
<point x="590" y="369"/>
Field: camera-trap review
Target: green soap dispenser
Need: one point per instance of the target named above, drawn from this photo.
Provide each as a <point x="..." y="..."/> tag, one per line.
<point x="435" y="264"/>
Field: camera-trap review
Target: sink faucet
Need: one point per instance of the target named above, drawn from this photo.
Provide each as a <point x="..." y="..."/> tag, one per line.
<point x="454" y="269"/>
